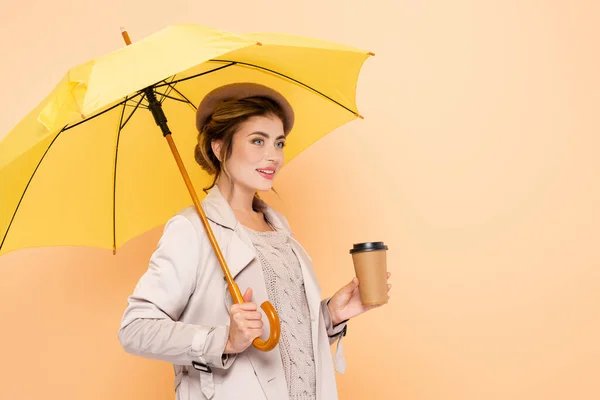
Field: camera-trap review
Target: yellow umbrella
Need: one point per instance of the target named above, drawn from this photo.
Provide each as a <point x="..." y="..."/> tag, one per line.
<point x="90" y="167"/>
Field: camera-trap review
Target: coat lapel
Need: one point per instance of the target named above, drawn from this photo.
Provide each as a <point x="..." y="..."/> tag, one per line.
<point x="267" y="365"/>
<point x="246" y="270"/>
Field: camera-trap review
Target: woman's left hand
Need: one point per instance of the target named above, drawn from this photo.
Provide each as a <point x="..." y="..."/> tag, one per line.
<point x="346" y="304"/>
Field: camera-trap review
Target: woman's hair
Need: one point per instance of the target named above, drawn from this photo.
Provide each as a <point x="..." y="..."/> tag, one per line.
<point x="223" y="123"/>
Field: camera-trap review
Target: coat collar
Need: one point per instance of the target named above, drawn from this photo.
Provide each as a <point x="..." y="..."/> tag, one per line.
<point x="241" y="251"/>
<point x="218" y="210"/>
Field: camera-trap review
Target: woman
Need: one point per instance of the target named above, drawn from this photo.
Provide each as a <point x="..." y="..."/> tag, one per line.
<point x="181" y="311"/>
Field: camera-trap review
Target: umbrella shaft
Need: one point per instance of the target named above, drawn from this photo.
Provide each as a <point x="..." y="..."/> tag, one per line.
<point x="233" y="288"/>
<point x="161" y="120"/>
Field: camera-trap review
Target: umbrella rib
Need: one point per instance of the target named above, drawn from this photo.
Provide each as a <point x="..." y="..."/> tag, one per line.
<point x="182" y="95"/>
<point x="66" y="128"/>
<point x="164" y="96"/>
<point x="121" y="123"/>
<point x="167" y="92"/>
<point x="27" y="187"/>
<point x="124" y="102"/>
<point x="120" y="127"/>
<point x="290" y="78"/>
<point x="136" y="106"/>
<point x="197" y="75"/>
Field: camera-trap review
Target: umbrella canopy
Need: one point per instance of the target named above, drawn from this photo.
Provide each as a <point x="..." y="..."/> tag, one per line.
<point x="90" y="167"/>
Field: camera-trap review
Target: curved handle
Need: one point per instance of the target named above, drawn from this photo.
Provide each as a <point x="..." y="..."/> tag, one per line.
<point x="273" y="326"/>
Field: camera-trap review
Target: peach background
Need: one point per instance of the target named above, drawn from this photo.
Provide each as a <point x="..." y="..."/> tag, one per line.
<point x="477" y="163"/>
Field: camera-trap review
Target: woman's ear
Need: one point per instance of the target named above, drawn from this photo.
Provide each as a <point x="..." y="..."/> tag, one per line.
<point x="216" y="146"/>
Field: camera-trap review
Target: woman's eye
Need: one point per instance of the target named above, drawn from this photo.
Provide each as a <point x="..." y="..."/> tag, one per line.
<point x="281" y="145"/>
<point x="257" y="140"/>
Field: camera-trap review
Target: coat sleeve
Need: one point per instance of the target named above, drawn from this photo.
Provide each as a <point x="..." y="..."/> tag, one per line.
<point x="150" y="326"/>
<point x="333" y="331"/>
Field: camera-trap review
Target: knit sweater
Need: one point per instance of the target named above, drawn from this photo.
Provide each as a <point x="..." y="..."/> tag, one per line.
<point x="285" y="289"/>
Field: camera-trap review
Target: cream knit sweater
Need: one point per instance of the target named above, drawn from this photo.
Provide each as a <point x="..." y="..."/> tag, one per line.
<point x="285" y="288"/>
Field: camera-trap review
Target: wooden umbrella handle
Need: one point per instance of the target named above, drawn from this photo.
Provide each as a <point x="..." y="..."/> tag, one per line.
<point x="236" y="294"/>
<point x="273" y="326"/>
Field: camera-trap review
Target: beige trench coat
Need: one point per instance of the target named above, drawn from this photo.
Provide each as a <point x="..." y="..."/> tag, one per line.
<point x="179" y="311"/>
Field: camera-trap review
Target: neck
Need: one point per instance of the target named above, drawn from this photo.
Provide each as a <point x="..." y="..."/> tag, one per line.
<point x="240" y="199"/>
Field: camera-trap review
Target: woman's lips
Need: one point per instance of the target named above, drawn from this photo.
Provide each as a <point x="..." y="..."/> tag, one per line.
<point x="267" y="173"/>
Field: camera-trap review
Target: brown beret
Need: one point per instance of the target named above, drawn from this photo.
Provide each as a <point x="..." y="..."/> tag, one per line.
<point x="237" y="91"/>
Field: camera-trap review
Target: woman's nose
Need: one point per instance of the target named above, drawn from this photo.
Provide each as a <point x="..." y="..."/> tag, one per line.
<point x="271" y="155"/>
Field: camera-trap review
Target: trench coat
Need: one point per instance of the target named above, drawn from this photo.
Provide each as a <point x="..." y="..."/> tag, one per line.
<point x="179" y="310"/>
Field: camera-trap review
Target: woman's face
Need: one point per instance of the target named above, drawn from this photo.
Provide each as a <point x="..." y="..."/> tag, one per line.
<point x="257" y="153"/>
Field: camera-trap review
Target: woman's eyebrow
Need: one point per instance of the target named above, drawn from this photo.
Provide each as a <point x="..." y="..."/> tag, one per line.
<point x="265" y="135"/>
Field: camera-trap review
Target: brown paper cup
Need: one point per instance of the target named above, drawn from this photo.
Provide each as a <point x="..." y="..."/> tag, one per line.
<point x="370" y="266"/>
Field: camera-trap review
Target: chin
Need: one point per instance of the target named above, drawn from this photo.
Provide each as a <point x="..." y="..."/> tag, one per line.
<point x="264" y="188"/>
<point x="258" y="184"/>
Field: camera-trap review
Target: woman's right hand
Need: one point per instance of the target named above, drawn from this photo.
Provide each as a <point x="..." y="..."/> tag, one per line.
<point x="245" y="325"/>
